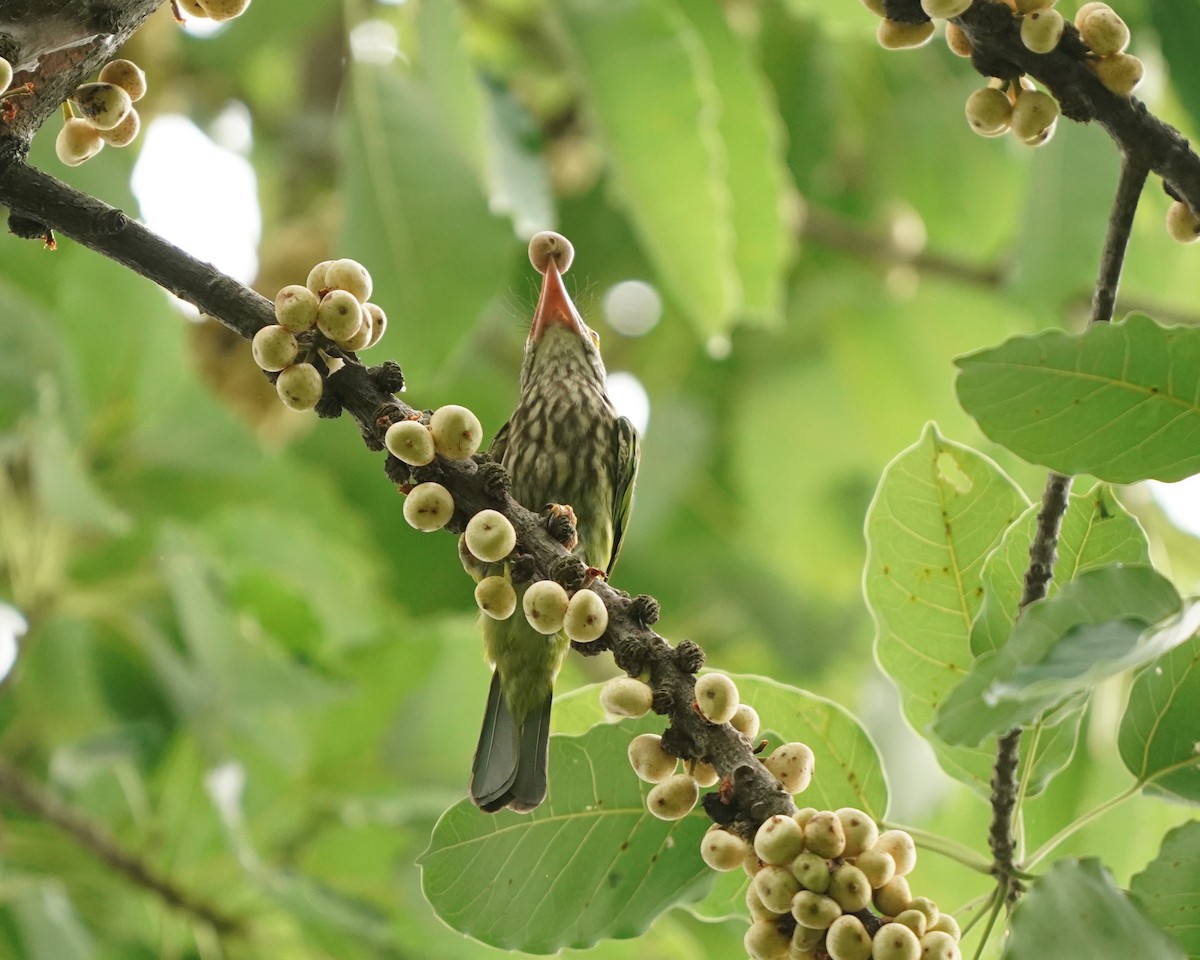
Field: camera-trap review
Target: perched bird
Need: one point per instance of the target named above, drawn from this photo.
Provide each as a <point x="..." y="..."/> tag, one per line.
<point x="563" y="445"/>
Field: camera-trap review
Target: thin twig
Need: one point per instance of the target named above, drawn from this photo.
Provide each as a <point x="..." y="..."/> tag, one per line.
<point x="1116" y="242"/>
<point x="26" y="793"/>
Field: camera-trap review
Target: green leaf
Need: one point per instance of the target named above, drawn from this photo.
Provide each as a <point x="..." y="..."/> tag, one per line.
<point x="418" y="219"/>
<point x="1159" y="731"/>
<point x="49" y="926"/>
<point x="590" y="863"/>
<point x="1169" y="887"/>
<point x="938" y="512"/>
<point x="1120" y="401"/>
<point x="1096" y="530"/>
<point x="752" y="136"/>
<point x="1092" y="628"/>
<point x="1076" y="910"/>
<point x="667" y="163"/>
<point x="849" y="769"/>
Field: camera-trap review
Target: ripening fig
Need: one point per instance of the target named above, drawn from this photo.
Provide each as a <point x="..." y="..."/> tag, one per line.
<point x="765" y="940"/>
<point x="1041" y="30"/>
<point x="544" y="603"/>
<point x="823" y="835"/>
<point x="274" y="347"/>
<point x="673" y="798"/>
<point x="776" y="887"/>
<point x="755" y="907"/>
<point x="779" y="840"/>
<point x="792" y="765"/>
<point x="351" y="276"/>
<point x="876" y="7"/>
<point x="653" y="764"/>
<point x="410" y="442"/>
<point x="339" y="315"/>
<point x="717" y="697"/>
<point x="1104" y="32"/>
<point x="125" y="132"/>
<point x="848" y="939"/>
<point x="224" y="9"/>
<point x="547" y="246"/>
<point x="1029" y="6"/>
<point x="745" y="721"/>
<point x="812" y="871"/>
<point x="806" y="939"/>
<point x="900" y="847"/>
<point x="457" y="432"/>
<point x="944" y="9"/>
<point x="626" y="697"/>
<point x="6" y="74"/>
<point x="490" y="535"/>
<point x="1033" y="115"/>
<point x="895" y="941"/>
<point x="1087" y="10"/>
<point x="957" y="40"/>
<point x="915" y="920"/>
<point x="939" y="946"/>
<point x="300" y="386"/>
<point x="103" y="104"/>
<point x="849" y="887"/>
<point x="587" y="617"/>
<point x="193" y="8"/>
<point x="496" y="597"/>
<point x="751" y="865"/>
<point x="316" y="278"/>
<point x="859" y="828"/>
<point x="803" y="815"/>
<point x="946" y="923"/>
<point x="77" y="141"/>
<point x="989" y="111"/>
<point x="428" y="507"/>
<point x="378" y="323"/>
<point x="1182" y="224"/>
<point x="127" y="75"/>
<point x="927" y="907"/>
<point x="814" y="910"/>
<point x="296" y="308"/>
<point x="722" y="850"/>
<point x="892" y="898"/>
<point x="893" y="35"/>
<point x="705" y="774"/>
<point x="359" y="339"/>
<point x="878" y="867"/>
<point x="1121" y="73"/>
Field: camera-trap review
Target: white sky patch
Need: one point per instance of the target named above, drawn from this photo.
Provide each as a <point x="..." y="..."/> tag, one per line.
<point x="201" y="197"/>
<point x="225" y="785"/>
<point x="374" y="41"/>
<point x="232" y="129"/>
<point x="1180" y="502"/>
<point x="632" y="307"/>
<point x="718" y="346"/>
<point x="630" y="398"/>
<point x="12" y="628"/>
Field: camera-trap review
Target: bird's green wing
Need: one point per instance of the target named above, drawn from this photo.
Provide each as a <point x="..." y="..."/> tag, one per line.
<point x="627" y="455"/>
<point x="499" y="443"/>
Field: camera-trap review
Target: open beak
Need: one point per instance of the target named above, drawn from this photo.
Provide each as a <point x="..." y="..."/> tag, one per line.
<point x="555" y="307"/>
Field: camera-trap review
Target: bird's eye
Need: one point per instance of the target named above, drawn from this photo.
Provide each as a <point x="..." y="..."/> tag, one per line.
<point x="595" y="337"/>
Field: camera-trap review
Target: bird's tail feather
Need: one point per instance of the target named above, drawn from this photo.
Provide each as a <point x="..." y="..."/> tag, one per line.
<point x="510" y="761"/>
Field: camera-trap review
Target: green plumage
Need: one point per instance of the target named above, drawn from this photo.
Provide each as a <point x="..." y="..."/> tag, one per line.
<point x="563" y="444"/>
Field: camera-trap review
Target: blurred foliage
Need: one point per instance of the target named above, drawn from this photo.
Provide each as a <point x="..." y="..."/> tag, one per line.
<point x="248" y="669"/>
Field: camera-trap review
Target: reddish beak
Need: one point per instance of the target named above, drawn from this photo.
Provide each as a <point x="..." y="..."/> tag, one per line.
<point x="555" y="307"/>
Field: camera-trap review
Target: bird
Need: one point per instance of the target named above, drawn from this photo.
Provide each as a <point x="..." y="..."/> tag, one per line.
<point x="563" y="446"/>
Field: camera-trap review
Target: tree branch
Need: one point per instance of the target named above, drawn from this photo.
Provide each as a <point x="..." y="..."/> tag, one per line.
<point x="32" y="797"/>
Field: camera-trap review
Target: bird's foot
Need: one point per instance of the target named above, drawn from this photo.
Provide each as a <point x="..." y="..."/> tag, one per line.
<point x="562" y="524"/>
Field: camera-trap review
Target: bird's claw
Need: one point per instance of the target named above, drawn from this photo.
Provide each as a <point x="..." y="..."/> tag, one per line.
<point x="562" y="524"/>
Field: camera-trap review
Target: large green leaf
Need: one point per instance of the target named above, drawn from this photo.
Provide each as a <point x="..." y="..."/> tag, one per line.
<point x="1092" y="628"/>
<point x="1096" y="530"/>
<point x="649" y="82"/>
<point x="938" y="512"/>
<point x="1120" y="401"/>
<point x="417" y="218"/>
<point x="1076" y="910"/>
<point x="590" y="863"/>
<point x="1169" y="887"/>
<point x="752" y="138"/>
<point x="1161" y="728"/>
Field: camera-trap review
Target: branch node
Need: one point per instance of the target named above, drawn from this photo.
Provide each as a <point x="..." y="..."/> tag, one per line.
<point x="388" y="376"/>
<point x="689" y="656"/>
<point x="645" y="610"/>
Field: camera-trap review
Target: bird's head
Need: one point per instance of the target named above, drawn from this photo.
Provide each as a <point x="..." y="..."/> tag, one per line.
<point x="560" y="344"/>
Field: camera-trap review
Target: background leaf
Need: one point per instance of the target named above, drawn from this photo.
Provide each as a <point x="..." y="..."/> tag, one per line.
<point x="1169" y="887"/>
<point x="1118" y="401"/>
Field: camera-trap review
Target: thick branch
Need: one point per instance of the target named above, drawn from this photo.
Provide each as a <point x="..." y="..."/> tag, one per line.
<point x="26" y="793"/>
